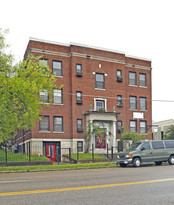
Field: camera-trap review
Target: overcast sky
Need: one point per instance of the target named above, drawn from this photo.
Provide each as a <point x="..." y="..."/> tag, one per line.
<point x="142" y="28"/>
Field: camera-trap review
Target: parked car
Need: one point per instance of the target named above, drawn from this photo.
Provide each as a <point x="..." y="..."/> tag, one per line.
<point x="148" y="151"/>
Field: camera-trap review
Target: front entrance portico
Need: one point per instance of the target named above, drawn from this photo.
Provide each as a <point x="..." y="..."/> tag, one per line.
<point x="107" y="122"/>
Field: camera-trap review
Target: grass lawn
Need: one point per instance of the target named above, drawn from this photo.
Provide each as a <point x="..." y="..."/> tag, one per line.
<point x="19" y="157"/>
<point x="87" y="156"/>
<point x="56" y="167"/>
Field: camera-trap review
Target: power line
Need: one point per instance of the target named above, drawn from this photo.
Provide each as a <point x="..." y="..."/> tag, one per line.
<point x="115" y="98"/>
<point x="163" y="100"/>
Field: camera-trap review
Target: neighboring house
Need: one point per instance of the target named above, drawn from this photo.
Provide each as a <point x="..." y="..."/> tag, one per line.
<point x="100" y="86"/>
<point x="159" y="128"/>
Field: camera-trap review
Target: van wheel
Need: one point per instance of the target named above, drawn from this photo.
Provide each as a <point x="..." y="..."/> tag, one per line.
<point x="123" y="165"/>
<point x="171" y="160"/>
<point x="136" y="162"/>
<point x="158" y="163"/>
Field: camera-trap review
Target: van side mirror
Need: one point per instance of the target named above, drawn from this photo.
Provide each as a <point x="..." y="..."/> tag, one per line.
<point x="143" y="148"/>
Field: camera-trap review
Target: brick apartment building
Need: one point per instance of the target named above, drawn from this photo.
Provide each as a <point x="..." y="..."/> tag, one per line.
<point x="100" y="86"/>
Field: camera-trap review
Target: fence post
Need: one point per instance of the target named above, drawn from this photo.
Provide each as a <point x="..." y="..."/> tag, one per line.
<point x="58" y="155"/>
<point x="5" y="153"/>
<point x="92" y="152"/>
<point x="23" y="145"/>
<point x="77" y="153"/>
<point x="29" y="151"/>
<point x="70" y="155"/>
<point x="107" y="151"/>
<point x="112" y="153"/>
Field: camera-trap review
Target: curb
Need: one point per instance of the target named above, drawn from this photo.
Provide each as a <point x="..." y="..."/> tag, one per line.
<point x="61" y="169"/>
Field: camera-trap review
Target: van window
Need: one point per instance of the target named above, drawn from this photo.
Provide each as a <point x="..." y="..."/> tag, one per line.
<point x="146" y="145"/>
<point x="157" y="145"/>
<point x="169" y="144"/>
<point x="134" y="146"/>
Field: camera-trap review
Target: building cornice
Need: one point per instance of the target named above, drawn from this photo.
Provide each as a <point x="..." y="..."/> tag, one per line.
<point x="42" y="51"/>
<point x="138" y="66"/>
<point x="101" y="116"/>
<point x="100" y="112"/>
<point x="50" y="52"/>
<point x="97" y="58"/>
<point x="88" y="46"/>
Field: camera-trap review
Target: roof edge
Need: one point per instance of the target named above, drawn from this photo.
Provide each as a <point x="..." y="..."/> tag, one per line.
<point x="97" y="48"/>
<point x="87" y="46"/>
<point x="50" y="42"/>
<point x="140" y="58"/>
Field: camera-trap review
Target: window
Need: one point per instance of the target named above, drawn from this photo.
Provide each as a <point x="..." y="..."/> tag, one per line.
<point x="100" y="81"/>
<point x="58" y="124"/>
<point x="79" y="125"/>
<point x="133" y="102"/>
<point x="142" y="79"/>
<point x="146" y="145"/>
<point x="57" y="68"/>
<point x="44" y="96"/>
<point x="157" y="145"/>
<point x="143" y="127"/>
<point x="119" y="76"/>
<point x="100" y="105"/>
<point x="143" y="105"/>
<point x="78" y="70"/>
<point x="44" y="64"/>
<point x="119" y="101"/>
<point x="79" y="97"/>
<point x="80" y="146"/>
<point x="44" y="124"/>
<point x="119" y="126"/>
<point x="133" y="126"/>
<point x="132" y="78"/>
<point x="58" y="96"/>
<point x="169" y="144"/>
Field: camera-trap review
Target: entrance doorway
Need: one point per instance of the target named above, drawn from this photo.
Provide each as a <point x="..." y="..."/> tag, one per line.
<point x="52" y="150"/>
<point x="100" y="141"/>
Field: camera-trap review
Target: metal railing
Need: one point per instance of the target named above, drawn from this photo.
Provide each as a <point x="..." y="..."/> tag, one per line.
<point x="26" y="153"/>
<point x="21" y="154"/>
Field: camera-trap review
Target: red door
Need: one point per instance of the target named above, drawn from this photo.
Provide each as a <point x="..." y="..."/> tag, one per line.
<point x="51" y="152"/>
<point x="100" y="141"/>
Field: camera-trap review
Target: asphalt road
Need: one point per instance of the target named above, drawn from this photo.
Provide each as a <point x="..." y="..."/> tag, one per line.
<point x="127" y="186"/>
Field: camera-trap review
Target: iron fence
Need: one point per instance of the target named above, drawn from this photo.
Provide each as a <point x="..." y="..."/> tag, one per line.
<point x="30" y="153"/>
<point x="20" y="154"/>
<point x="109" y="154"/>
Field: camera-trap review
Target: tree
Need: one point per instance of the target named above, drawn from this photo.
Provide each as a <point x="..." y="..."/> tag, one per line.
<point x="19" y="91"/>
<point x="169" y="134"/>
<point x="127" y="136"/>
<point x="91" y="130"/>
<point x="133" y="136"/>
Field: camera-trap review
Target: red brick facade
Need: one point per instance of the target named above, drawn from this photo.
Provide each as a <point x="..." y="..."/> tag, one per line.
<point x="93" y="60"/>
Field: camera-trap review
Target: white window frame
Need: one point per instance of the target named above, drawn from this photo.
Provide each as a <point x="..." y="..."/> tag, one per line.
<point x="131" y="122"/>
<point x="98" y="99"/>
<point x="103" y="82"/>
<point x="132" y="80"/>
<point x="59" y="123"/>
<point x="145" y="80"/>
<point x="144" y="127"/>
<point x="59" y="69"/>
<point x="143" y="103"/>
<point x="44" y="94"/>
<point x="58" y="94"/>
<point x="47" y="121"/>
